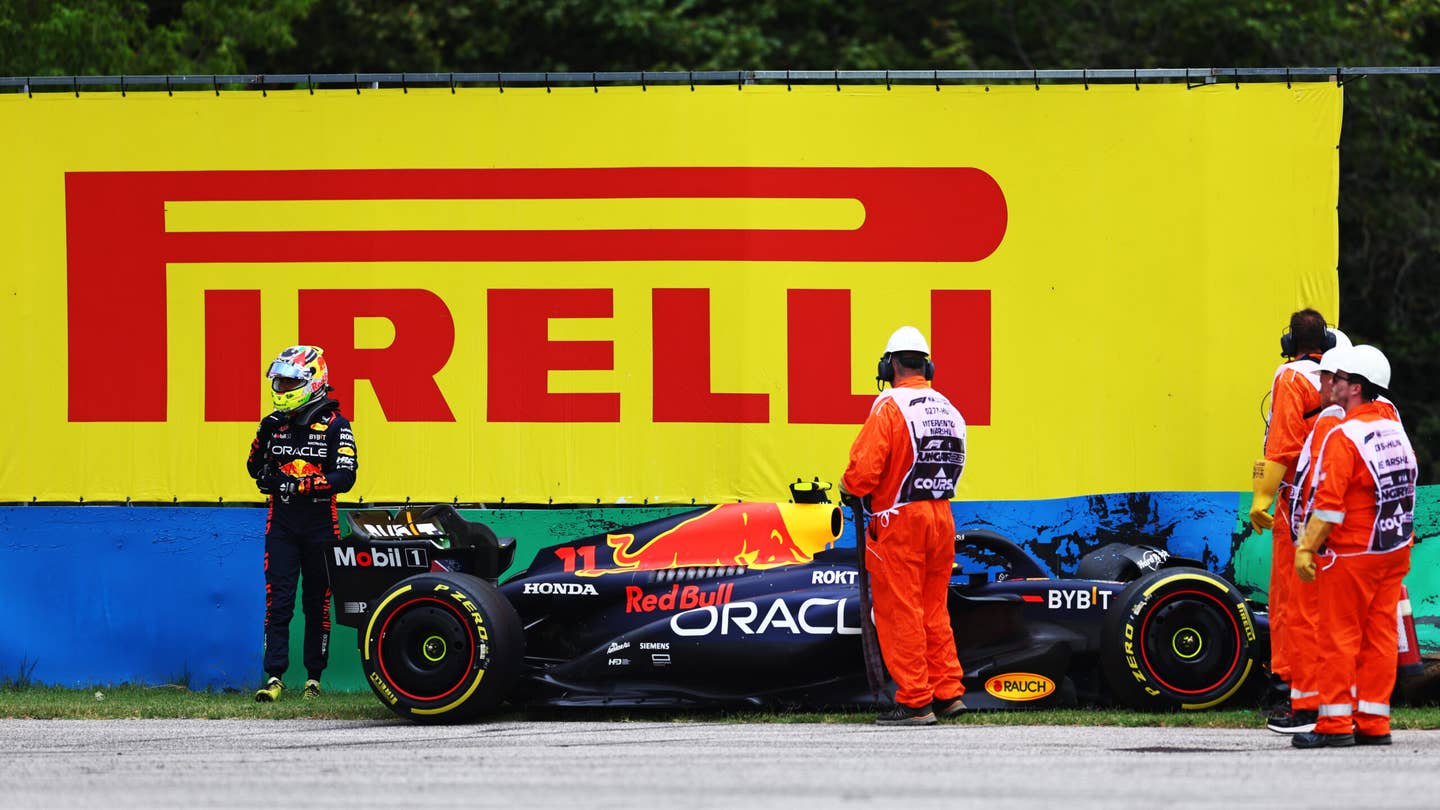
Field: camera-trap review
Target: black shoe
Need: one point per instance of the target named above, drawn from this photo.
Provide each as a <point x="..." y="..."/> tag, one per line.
<point x="948" y="708"/>
<point x="1372" y="739"/>
<point x="903" y="715"/>
<point x="1276" y="696"/>
<point x="1312" y="739"/>
<point x="1279" y="710"/>
<point x="1293" y="723"/>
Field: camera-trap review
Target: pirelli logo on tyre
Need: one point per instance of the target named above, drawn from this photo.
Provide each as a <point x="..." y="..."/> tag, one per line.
<point x="383" y="689"/>
<point x="1245" y="620"/>
<point x="468" y="605"/>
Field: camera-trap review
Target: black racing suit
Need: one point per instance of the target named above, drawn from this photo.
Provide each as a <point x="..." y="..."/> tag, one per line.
<point x="302" y="462"/>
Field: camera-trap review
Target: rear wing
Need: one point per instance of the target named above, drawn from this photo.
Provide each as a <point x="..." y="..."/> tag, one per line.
<point x="442" y="526"/>
<point x="384" y="548"/>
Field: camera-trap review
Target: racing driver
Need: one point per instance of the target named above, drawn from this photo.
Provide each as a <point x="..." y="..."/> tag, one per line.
<point x="303" y="456"/>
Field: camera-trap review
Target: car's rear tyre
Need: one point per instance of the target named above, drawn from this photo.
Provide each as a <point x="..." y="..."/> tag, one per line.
<point x="442" y="647"/>
<point x="1178" y="638"/>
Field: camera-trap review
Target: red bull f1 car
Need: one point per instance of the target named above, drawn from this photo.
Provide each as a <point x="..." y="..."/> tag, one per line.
<point x="753" y="604"/>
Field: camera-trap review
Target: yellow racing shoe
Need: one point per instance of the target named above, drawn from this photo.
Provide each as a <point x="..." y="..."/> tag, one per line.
<point x="270" y="692"/>
<point x="312" y="690"/>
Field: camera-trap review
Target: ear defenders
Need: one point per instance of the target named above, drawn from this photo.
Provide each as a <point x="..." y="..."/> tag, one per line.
<point x="885" y="370"/>
<point x="1287" y="343"/>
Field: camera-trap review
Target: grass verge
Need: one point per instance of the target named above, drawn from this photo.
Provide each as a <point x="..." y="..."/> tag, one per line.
<point x="155" y="702"/>
<point x="152" y="702"/>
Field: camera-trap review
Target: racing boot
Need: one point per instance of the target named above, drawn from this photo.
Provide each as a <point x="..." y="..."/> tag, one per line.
<point x="1275" y="701"/>
<point x="270" y="692"/>
<point x="312" y="690"/>
<point x="903" y="715"/>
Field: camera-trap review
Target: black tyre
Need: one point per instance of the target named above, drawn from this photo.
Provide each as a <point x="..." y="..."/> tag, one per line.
<point x="1178" y="638"/>
<point x="442" y="647"/>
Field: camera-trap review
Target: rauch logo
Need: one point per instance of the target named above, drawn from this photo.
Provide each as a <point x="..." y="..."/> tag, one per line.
<point x="1020" y="686"/>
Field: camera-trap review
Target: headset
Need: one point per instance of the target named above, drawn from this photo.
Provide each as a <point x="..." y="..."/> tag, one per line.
<point x="1287" y="342"/>
<point x="885" y="371"/>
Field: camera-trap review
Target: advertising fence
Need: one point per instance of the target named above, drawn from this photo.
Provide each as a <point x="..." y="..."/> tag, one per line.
<point x="662" y="294"/>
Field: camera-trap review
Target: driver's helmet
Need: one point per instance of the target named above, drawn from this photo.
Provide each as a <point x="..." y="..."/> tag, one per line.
<point x="297" y="377"/>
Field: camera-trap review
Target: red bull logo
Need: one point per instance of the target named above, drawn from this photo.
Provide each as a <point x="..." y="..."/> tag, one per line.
<point x="750" y="535"/>
<point x="677" y="598"/>
<point x="300" y="468"/>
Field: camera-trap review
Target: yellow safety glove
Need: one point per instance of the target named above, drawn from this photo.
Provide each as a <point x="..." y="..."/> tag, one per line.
<point x="1315" y="533"/>
<point x="1265" y="483"/>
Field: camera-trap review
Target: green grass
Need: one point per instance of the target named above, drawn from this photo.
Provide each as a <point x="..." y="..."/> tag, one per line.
<point x="109" y="703"/>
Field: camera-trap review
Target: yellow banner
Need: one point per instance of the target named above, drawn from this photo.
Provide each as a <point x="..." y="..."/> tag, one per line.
<point x="656" y="295"/>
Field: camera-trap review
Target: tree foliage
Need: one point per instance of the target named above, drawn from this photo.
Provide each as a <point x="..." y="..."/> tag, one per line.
<point x="1389" y="236"/>
<point x="107" y="37"/>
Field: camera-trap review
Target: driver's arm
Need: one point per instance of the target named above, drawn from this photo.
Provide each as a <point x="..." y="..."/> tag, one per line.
<point x="341" y="462"/>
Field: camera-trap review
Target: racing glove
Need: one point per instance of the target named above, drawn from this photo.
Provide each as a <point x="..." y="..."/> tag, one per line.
<point x="1265" y="483"/>
<point x="284" y="484"/>
<point x="270" y="480"/>
<point x="278" y="483"/>
<point x="1316" y="531"/>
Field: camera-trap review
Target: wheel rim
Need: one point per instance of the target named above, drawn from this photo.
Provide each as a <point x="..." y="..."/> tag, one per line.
<point x="426" y="649"/>
<point x="1190" y="642"/>
<point x="1187" y="643"/>
<point x="433" y="648"/>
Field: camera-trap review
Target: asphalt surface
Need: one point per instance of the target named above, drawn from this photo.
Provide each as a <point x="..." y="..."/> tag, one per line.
<point x="679" y="766"/>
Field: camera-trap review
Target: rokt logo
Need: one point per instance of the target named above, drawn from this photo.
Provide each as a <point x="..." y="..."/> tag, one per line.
<point x="832" y="577"/>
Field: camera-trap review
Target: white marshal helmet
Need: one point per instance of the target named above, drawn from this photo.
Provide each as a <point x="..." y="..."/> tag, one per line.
<point x="907" y="339"/>
<point x="1331" y="356"/>
<point x="1368" y="362"/>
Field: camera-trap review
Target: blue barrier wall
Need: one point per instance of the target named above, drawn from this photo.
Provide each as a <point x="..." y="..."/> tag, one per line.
<point x="112" y="594"/>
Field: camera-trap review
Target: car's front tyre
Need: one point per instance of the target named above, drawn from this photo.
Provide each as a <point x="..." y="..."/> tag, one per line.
<point x="1178" y="638"/>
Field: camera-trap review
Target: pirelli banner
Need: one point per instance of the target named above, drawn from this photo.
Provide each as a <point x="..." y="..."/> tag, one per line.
<point x="655" y="294"/>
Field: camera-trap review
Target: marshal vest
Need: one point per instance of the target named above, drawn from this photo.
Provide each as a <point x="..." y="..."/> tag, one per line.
<point x="937" y="437"/>
<point x="1390" y="459"/>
